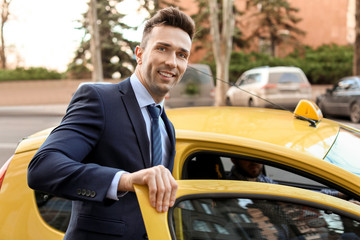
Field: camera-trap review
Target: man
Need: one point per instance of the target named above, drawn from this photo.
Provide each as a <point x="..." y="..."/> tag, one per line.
<point x="105" y="141"/>
<point x="248" y="171"/>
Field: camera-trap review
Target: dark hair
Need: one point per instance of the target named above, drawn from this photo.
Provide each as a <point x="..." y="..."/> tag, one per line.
<point x="169" y="16"/>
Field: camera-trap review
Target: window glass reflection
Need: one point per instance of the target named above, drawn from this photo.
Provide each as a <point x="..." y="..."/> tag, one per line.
<point x="55" y="211"/>
<point x="345" y="153"/>
<point x="239" y="218"/>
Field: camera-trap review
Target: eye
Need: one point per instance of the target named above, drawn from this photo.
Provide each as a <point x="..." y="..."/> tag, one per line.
<point x="183" y="55"/>
<point x="162" y="49"/>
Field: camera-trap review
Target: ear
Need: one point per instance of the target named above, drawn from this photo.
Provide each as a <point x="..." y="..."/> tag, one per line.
<point x="138" y="54"/>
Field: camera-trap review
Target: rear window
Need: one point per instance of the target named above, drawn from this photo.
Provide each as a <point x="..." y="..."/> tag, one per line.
<point x="285" y="77"/>
<point x="198" y="75"/>
<point x="55" y="211"/>
<point x="252" y="78"/>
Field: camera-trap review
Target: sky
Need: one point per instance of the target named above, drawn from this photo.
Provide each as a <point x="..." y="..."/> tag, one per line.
<point x="42" y="33"/>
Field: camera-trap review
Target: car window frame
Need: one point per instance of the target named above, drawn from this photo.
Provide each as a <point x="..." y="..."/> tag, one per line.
<point x="281" y="166"/>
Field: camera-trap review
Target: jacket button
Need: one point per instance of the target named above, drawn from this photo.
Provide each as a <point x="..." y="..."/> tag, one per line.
<point x="92" y="194"/>
<point x="83" y="192"/>
<point x="88" y="192"/>
<point x="79" y="191"/>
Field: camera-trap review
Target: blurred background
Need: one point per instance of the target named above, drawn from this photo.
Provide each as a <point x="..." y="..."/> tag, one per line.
<point x="51" y="40"/>
<point x="47" y="48"/>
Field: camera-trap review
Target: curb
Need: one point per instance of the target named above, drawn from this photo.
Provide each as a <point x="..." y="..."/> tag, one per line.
<point x="34" y="110"/>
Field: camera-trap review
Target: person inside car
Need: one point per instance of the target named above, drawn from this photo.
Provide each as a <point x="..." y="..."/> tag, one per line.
<point x="253" y="171"/>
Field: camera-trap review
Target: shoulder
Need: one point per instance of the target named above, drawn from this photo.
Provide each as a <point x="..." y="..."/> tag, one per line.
<point x="103" y="88"/>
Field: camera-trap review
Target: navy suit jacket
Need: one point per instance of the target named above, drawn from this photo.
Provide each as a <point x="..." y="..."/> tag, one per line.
<point x="102" y="131"/>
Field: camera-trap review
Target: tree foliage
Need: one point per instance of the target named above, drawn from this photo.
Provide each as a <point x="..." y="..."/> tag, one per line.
<point x="323" y="65"/>
<point x="116" y="51"/>
<point x="203" y="34"/>
<point x="275" y="22"/>
<point x="34" y="73"/>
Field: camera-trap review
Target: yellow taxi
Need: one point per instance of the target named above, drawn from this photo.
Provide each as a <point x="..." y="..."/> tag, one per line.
<point x="313" y="161"/>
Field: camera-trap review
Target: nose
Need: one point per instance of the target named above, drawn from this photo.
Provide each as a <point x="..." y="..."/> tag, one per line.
<point x="171" y="60"/>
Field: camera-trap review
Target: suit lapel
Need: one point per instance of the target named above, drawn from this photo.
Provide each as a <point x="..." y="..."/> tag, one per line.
<point x="136" y="118"/>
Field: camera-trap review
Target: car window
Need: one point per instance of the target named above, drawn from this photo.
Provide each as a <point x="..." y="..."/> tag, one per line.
<point x="345" y="84"/>
<point x="285" y="77"/>
<point x="220" y="166"/>
<point x="194" y="76"/>
<point x="55" y="211"/>
<point x="251" y="79"/>
<point x="344" y="152"/>
<point x="224" y="217"/>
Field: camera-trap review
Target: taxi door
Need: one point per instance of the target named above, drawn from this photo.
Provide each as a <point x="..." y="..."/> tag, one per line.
<point x="213" y="209"/>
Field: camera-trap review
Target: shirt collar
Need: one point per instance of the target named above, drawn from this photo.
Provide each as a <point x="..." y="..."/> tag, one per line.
<point x="141" y="93"/>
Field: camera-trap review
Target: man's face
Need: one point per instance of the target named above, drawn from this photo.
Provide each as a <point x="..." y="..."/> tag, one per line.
<point x="163" y="60"/>
<point x="249" y="169"/>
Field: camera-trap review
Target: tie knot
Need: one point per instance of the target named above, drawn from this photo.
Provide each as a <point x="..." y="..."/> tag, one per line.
<point x="154" y="111"/>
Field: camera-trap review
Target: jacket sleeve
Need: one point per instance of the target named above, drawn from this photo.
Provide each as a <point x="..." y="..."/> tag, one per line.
<point x="58" y="167"/>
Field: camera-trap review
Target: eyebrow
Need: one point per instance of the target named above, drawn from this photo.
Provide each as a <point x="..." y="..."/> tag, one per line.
<point x="169" y="45"/>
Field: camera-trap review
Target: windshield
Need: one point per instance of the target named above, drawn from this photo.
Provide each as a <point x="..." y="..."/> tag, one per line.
<point x="345" y="151"/>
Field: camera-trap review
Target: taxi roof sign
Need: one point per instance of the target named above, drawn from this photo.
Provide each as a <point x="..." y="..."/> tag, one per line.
<point x="308" y="109"/>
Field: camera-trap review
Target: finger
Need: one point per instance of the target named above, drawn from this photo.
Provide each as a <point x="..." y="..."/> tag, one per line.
<point x="160" y="191"/>
<point x="150" y="180"/>
<point x="174" y="187"/>
<point x="168" y="190"/>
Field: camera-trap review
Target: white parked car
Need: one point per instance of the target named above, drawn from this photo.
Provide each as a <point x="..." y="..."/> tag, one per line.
<point x="284" y="86"/>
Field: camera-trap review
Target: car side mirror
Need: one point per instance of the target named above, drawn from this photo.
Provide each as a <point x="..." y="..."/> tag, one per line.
<point x="329" y="91"/>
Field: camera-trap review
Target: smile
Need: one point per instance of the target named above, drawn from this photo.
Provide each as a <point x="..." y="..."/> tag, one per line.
<point x="166" y="74"/>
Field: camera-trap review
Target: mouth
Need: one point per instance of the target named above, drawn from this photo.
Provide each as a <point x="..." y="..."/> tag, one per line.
<point x="167" y="74"/>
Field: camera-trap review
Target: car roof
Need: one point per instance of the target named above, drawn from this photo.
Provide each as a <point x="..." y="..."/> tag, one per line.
<point x="261" y="126"/>
<point x="356" y="78"/>
<point x="275" y="69"/>
<point x="266" y="128"/>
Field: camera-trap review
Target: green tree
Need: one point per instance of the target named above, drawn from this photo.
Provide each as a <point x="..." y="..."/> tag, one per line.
<point x="4" y="11"/>
<point x="116" y="51"/>
<point x="275" y="22"/>
<point x="152" y="6"/>
<point x="216" y="32"/>
<point x="203" y="27"/>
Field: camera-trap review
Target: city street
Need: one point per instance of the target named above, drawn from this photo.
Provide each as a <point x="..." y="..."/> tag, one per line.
<point x="19" y="123"/>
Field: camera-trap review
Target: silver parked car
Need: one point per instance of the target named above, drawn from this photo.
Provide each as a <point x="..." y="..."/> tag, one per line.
<point x="196" y="88"/>
<point x="284" y="86"/>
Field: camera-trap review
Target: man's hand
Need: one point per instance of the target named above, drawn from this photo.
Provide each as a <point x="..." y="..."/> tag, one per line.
<point x="162" y="186"/>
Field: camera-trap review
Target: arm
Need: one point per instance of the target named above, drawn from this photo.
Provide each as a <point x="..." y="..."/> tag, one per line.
<point x="57" y="167"/>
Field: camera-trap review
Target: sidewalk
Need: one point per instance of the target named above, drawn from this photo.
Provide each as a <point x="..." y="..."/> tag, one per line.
<point x="48" y="110"/>
<point x="53" y="96"/>
<point x="38" y="97"/>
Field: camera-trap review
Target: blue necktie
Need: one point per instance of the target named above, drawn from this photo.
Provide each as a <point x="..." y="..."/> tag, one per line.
<point x="156" y="147"/>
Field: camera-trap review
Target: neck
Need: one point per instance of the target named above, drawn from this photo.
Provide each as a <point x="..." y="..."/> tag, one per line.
<point x="156" y="98"/>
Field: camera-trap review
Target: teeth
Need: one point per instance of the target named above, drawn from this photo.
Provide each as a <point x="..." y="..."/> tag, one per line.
<point x="166" y="74"/>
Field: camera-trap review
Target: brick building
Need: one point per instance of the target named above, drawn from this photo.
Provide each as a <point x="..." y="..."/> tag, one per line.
<point x="324" y="21"/>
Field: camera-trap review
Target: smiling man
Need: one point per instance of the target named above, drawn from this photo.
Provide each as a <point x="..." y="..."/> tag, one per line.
<point x="116" y="135"/>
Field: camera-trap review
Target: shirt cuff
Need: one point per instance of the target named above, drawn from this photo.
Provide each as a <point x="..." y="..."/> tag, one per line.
<point x="112" y="192"/>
